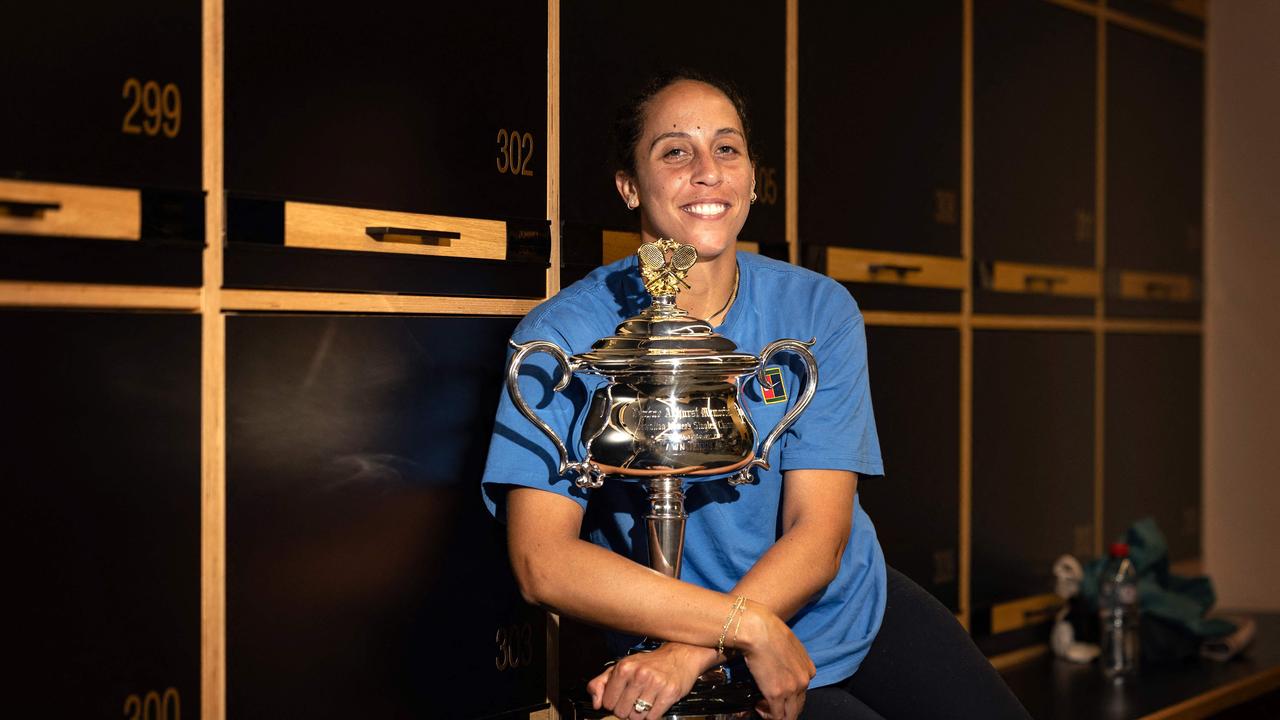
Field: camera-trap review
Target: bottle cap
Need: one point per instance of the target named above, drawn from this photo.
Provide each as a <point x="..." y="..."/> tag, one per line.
<point x="1119" y="550"/>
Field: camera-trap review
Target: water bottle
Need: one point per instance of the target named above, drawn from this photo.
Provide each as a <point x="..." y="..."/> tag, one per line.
<point x="1118" y="615"/>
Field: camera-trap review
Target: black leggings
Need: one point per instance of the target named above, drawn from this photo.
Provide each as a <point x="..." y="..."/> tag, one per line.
<point x="922" y="664"/>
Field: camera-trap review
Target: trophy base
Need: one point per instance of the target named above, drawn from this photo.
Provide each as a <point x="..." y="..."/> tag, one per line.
<point x="713" y="697"/>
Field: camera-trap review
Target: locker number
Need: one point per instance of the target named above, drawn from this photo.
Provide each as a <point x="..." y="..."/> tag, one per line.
<point x="515" y="647"/>
<point x="154" y="706"/>
<point x="153" y="109"/>
<point x="515" y="150"/>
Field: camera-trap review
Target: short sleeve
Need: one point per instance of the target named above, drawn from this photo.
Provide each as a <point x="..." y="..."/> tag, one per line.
<point x="838" y="429"/>
<point x="520" y="454"/>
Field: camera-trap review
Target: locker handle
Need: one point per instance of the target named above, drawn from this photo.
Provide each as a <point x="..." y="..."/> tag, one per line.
<point x="902" y="270"/>
<point x="1046" y="281"/>
<point x="413" y="236"/>
<point x="26" y="208"/>
<point x="1159" y="290"/>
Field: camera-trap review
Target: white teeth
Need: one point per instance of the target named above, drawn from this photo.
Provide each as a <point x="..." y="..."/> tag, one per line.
<point x="706" y="208"/>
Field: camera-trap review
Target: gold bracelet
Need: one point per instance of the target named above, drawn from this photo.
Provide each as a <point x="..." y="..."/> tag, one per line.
<point x="738" y="603"/>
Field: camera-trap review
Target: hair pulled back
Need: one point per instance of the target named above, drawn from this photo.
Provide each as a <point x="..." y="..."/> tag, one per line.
<point x="628" y="125"/>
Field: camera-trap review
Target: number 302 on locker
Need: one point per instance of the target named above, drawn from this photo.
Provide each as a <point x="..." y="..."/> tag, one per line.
<point x="515" y="150"/>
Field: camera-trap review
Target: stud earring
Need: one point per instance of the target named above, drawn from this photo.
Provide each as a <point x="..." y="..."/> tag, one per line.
<point x="753" y="197"/>
<point x="632" y="204"/>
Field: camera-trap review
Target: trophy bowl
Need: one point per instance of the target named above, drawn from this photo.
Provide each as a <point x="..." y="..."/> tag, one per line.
<point x="671" y="409"/>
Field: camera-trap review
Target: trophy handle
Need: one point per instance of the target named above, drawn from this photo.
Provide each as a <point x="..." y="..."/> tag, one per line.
<point x="589" y="476"/>
<point x="810" y="387"/>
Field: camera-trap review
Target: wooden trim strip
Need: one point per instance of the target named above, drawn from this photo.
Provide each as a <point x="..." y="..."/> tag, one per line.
<point x="1053" y="280"/>
<point x="1154" y="327"/>
<point x="1099" y="260"/>
<point x="82" y="211"/>
<point x="1026" y="611"/>
<point x="553" y="142"/>
<point x="1157" y="287"/>
<point x="1033" y="322"/>
<point x="76" y="295"/>
<point x="1132" y="23"/>
<point x="307" y="301"/>
<point x="875" y="266"/>
<point x="791" y="163"/>
<point x="1213" y="701"/>
<point x="213" y="379"/>
<point x="552" y="620"/>
<point x="1004" y="661"/>
<point x="911" y="319"/>
<point x="332" y="227"/>
<point x="617" y="244"/>
<point x="966" y="313"/>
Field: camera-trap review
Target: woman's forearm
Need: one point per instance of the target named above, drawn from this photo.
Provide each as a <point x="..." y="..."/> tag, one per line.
<point x="557" y="570"/>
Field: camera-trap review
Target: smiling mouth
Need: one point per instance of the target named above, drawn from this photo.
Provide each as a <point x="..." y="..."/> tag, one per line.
<point x="706" y="209"/>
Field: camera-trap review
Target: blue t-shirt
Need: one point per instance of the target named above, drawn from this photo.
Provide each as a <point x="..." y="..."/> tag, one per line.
<point x="729" y="528"/>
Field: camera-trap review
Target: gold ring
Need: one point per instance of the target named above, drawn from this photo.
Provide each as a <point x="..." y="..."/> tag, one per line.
<point x="642" y="706"/>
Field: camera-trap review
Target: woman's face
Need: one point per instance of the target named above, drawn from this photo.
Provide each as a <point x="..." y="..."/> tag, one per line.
<point x="693" y="177"/>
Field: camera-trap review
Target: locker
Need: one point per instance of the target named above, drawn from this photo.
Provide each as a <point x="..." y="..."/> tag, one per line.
<point x="1155" y="169"/>
<point x="101" y="448"/>
<point x="607" y="50"/>
<point x="915" y="388"/>
<point x="1032" y="462"/>
<point x="880" y="114"/>
<point x="100" y="143"/>
<point x="1153" y="437"/>
<point x="364" y="576"/>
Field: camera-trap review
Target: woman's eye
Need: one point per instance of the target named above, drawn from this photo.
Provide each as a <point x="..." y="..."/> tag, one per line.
<point x="674" y="153"/>
<point x="727" y="150"/>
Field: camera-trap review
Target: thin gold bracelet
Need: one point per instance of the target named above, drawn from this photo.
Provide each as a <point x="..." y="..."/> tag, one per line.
<point x="738" y="603"/>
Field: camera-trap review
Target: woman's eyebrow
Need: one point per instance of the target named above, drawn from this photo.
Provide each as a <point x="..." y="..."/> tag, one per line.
<point x="678" y="134"/>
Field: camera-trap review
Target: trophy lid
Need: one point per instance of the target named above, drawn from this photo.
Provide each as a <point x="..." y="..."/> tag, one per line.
<point x="664" y="338"/>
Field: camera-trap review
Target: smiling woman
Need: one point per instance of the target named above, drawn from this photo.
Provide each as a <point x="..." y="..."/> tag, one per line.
<point x="685" y="164"/>
<point x="782" y="578"/>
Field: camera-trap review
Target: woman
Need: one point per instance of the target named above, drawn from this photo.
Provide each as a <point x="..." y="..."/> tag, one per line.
<point x="795" y="546"/>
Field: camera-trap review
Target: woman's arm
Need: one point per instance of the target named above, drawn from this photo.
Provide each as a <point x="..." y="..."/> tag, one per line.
<point x="556" y="569"/>
<point x="817" y="516"/>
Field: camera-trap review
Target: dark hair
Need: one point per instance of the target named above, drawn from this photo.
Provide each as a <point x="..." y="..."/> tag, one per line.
<point x="628" y="125"/>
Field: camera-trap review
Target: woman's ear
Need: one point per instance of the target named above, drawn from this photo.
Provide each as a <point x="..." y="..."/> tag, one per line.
<point x="627" y="189"/>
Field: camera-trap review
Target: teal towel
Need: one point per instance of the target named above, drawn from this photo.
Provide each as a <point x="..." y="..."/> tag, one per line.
<point x="1180" y="601"/>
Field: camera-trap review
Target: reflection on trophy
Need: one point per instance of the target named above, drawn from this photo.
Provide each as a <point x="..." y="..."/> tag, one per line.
<point x="671" y="410"/>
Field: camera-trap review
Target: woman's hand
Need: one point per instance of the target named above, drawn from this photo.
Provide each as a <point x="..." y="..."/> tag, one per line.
<point x="659" y="678"/>
<point x="778" y="660"/>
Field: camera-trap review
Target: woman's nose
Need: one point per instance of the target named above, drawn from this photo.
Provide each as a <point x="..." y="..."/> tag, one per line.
<point x="705" y="170"/>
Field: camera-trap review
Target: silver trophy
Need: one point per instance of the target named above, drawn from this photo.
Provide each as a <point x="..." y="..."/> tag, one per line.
<point x="671" y="411"/>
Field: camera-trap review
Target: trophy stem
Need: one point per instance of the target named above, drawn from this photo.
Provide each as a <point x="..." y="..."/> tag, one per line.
<point x="665" y="521"/>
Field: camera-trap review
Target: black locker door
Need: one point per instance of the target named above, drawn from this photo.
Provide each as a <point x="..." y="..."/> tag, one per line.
<point x="1155" y="146"/>
<point x="101" y="461"/>
<point x="102" y="93"/>
<point x="1153" y="437"/>
<point x="108" y="96"/>
<point x="389" y="104"/>
<point x="880" y="95"/>
<point x="364" y="575"/>
<point x="1033" y="133"/>
<point x="608" y="50"/>
<point x="915" y="388"/>
<point x="1032" y="460"/>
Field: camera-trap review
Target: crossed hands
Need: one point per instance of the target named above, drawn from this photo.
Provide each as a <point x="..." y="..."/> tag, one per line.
<point x="645" y="685"/>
